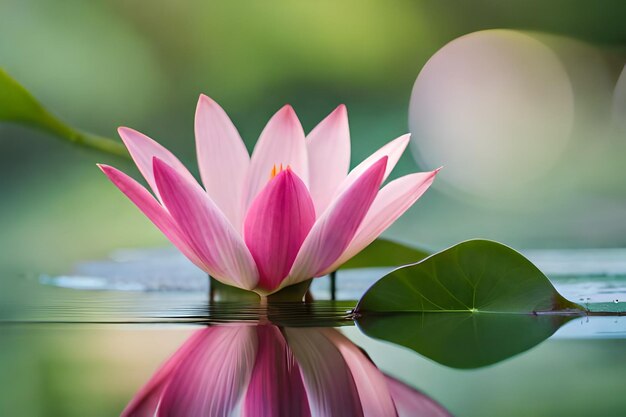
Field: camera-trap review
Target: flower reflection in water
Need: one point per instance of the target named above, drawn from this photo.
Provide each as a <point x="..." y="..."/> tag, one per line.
<point x="264" y="370"/>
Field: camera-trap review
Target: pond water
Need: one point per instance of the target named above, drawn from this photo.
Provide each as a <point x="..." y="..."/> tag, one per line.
<point x="138" y="332"/>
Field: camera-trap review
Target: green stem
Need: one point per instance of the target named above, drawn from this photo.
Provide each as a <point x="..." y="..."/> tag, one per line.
<point x="101" y="144"/>
<point x="59" y="129"/>
<point x="18" y="105"/>
<point x="333" y="285"/>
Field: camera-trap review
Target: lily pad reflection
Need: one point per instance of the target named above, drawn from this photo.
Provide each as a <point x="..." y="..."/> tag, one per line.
<point x="464" y="340"/>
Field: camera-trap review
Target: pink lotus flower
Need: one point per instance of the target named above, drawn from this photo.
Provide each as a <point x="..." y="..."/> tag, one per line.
<point x="249" y="370"/>
<point x="288" y="213"/>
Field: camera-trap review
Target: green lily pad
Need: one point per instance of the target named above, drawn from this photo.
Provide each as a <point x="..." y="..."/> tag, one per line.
<point x="473" y="276"/>
<point x="472" y="305"/>
<point x="17" y="105"/>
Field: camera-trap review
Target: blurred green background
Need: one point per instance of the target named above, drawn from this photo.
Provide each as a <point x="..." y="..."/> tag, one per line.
<point x="103" y="64"/>
<point x="99" y="65"/>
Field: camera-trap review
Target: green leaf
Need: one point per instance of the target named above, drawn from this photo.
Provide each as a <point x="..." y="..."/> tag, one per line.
<point x="17" y="105"/>
<point x="471" y="305"/>
<point x="383" y="252"/>
<point x="473" y="276"/>
<point x="463" y="340"/>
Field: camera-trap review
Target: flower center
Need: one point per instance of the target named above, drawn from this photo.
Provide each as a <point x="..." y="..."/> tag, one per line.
<point x="277" y="170"/>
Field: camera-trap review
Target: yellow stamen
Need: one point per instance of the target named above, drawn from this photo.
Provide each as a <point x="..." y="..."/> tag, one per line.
<point x="275" y="171"/>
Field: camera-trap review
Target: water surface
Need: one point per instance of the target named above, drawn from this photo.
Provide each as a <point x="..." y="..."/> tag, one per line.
<point x="84" y="344"/>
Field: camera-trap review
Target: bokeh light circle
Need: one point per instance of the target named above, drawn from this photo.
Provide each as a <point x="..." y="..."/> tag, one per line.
<point x="496" y="108"/>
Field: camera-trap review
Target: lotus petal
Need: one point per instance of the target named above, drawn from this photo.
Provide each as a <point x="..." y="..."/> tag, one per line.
<point x="281" y="142"/>
<point x="328" y="146"/>
<point x="334" y="230"/>
<point x="222" y="158"/>
<point x="277" y="223"/>
<point x="222" y="248"/>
